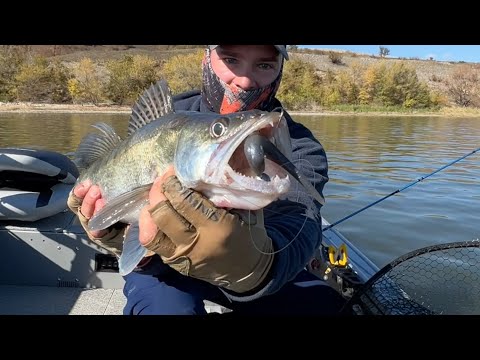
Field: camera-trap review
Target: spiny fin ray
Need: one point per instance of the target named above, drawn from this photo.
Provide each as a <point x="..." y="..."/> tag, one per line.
<point x="155" y="102"/>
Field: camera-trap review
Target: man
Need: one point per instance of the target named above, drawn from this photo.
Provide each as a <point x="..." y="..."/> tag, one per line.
<point x="249" y="265"/>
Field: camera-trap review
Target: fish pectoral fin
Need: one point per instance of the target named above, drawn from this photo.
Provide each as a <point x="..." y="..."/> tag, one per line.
<point x="94" y="146"/>
<point x="120" y="208"/>
<point x="132" y="251"/>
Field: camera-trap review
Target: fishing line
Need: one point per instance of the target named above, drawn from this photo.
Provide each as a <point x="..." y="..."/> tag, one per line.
<point x="285" y="216"/>
<point x="399" y="190"/>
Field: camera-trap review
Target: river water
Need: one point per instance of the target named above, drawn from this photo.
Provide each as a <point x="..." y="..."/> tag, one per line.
<point x="369" y="158"/>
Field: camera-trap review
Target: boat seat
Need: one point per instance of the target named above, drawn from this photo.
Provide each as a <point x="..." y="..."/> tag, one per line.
<point x="34" y="183"/>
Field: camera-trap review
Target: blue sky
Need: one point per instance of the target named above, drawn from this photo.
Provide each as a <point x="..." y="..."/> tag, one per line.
<point x="467" y="53"/>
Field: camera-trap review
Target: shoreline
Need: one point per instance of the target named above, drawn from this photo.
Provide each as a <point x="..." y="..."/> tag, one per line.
<point x="25" y="107"/>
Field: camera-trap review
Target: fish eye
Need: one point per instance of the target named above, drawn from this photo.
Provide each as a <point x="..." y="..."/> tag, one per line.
<point x="218" y="128"/>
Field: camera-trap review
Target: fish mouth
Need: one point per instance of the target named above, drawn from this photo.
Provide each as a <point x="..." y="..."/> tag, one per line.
<point x="230" y="166"/>
<point x="240" y="163"/>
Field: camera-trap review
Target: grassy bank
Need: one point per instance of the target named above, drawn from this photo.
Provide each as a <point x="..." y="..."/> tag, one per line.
<point x="25" y="107"/>
<point x="382" y="111"/>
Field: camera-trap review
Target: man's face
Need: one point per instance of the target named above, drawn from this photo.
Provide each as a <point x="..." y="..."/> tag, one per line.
<point x="247" y="67"/>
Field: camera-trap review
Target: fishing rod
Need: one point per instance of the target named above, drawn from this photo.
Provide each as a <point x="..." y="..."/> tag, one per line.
<point x="399" y="190"/>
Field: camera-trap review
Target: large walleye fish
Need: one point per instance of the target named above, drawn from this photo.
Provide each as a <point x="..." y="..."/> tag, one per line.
<point x="239" y="161"/>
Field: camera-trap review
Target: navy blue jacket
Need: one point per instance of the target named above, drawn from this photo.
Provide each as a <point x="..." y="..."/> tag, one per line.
<point x="293" y="222"/>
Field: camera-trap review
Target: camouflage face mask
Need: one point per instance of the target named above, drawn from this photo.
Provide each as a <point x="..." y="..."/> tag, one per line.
<point x="223" y="98"/>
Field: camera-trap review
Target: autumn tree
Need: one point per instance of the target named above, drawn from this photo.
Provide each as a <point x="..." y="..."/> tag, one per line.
<point x="130" y="76"/>
<point x="11" y="58"/>
<point x="300" y="87"/>
<point x="183" y="72"/>
<point x="87" y="85"/>
<point x="41" y="81"/>
<point x="463" y="86"/>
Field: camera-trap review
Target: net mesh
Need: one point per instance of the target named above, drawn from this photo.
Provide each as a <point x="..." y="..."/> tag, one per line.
<point x="440" y="279"/>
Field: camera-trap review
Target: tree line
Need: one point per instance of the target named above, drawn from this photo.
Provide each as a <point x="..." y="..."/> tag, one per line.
<point x="27" y="77"/>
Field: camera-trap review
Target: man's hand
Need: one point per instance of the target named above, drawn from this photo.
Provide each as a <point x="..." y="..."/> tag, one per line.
<point x="203" y="241"/>
<point x="85" y="200"/>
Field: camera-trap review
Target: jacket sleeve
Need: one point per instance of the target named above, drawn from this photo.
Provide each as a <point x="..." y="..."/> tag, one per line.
<point x="294" y="222"/>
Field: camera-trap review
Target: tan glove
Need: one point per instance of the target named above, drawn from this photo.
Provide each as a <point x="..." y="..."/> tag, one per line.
<point x="205" y="242"/>
<point x="112" y="240"/>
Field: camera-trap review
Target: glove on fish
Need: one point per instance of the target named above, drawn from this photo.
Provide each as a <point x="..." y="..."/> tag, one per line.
<point x="112" y="241"/>
<point x="209" y="243"/>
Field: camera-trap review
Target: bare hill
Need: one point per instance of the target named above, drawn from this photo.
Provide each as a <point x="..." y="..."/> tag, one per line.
<point x="72" y="53"/>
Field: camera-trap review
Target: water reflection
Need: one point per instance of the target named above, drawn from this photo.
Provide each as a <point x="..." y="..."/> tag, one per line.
<point x="370" y="157"/>
<point x="58" y="132"/>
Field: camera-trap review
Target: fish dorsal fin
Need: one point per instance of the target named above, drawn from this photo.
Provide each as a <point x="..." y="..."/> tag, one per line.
<point x="95" y="146"/>
<point x="155" y="102"/>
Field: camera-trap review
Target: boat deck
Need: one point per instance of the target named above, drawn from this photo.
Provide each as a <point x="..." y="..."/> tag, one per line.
<point x="55" y="270"/>
<point x="49" y="300"/>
